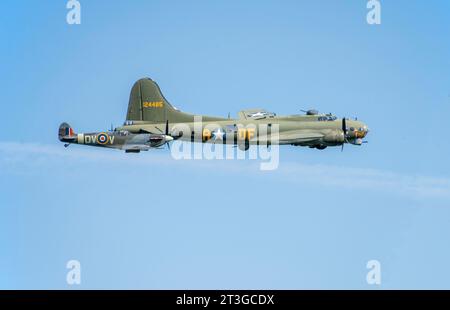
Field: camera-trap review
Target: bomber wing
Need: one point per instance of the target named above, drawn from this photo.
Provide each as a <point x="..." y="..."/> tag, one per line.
<point x="297" y="136"/>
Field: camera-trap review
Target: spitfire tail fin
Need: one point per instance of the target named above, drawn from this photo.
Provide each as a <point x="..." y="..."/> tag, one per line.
<point x="148" y="104"/>
<point x="66" y="132"/>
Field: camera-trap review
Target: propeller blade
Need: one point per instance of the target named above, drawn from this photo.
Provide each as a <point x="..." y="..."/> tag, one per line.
<point x="344" y="129"/>
<point x="344" y="126"/>
<point x="168" y="135"/>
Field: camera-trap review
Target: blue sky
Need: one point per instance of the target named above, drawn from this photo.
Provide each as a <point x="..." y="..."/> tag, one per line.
<point x="148" y="221"/>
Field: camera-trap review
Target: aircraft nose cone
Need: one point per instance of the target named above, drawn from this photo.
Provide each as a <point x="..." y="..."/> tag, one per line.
<point x="366" y="130"/>
<point x="362" y="131"/>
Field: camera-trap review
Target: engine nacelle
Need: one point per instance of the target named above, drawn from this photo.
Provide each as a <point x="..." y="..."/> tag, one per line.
<point x="334" y="137"/>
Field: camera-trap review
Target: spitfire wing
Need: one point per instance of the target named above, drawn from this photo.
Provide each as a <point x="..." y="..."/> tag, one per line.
<point x="143" y="142"/>
<point x="137" y="143"/>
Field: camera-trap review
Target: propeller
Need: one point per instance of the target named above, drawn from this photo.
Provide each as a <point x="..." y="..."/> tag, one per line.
<point x="167" y="134"/>
<point x="344" y="130"/>
<point x="344" y="126"/>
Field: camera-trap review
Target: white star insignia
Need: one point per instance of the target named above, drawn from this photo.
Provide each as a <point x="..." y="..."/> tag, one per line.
<point x="218" y="134"/>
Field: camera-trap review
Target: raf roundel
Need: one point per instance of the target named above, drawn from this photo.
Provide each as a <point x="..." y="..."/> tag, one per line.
<point x="102" y="138"/>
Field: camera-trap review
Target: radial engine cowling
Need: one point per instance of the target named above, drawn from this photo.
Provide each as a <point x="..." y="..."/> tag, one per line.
<point x="334" y="137"/>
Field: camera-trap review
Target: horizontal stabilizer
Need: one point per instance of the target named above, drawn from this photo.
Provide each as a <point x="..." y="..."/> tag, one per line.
<point x="255" y="114"/>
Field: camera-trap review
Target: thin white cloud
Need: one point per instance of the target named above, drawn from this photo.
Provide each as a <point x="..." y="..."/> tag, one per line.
<point x="368" y="178"/>
<point x="13" y="151"/>
<point x="14" y="154"/>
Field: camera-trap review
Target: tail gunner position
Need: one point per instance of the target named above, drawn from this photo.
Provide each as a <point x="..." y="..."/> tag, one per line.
<point x="152" y="121"/>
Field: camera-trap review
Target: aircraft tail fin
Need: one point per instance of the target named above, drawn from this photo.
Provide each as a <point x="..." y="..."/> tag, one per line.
<point x="147" y="103"/>
<point x="66" y="132"/>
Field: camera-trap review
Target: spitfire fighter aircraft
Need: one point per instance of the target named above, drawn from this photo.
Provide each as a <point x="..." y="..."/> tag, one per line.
<point x="152" y="122"/>
<point x="117" y="139"/>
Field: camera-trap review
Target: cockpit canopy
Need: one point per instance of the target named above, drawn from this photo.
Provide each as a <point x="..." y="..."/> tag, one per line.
<point x="123" y="133"/>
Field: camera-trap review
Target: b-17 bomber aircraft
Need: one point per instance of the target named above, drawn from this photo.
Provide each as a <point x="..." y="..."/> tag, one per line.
<point x="152" y="122"/>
